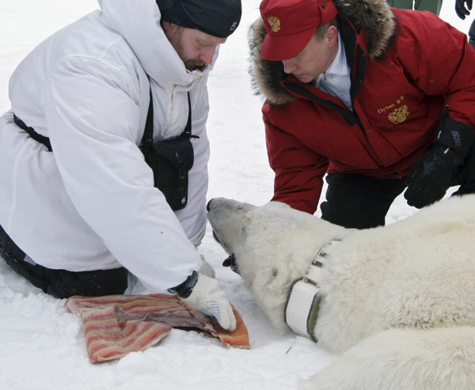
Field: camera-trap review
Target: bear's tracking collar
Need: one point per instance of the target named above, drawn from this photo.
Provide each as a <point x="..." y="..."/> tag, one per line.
<point x="303" y="301"/>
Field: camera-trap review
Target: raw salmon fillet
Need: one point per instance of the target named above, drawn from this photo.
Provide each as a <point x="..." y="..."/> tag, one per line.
<point x="116" y="325"/>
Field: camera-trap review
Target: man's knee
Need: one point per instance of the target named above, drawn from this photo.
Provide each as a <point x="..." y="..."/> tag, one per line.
<point x="64" y="284"/>
<point x="359" y="201"/>
<point x="61" y="283"/>
<point x="351" y="217"/>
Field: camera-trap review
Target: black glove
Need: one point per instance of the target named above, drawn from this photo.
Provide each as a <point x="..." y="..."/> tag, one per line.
<point x="461" y="9"/>
<point x="433" y="173"/>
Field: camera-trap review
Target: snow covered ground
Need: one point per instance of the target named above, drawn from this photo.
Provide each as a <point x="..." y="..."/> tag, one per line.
<point x="42" y="345"/>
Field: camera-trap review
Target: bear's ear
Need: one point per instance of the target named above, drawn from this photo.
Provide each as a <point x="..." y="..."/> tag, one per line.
<point x="248" y="218"/>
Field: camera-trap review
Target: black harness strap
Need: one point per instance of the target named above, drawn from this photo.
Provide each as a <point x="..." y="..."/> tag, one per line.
<point x="148" y="132"/>
<point x="170" y="160"/>
<point x="32" y="133"/>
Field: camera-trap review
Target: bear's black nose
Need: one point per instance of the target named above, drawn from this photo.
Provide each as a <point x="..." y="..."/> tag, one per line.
<point x="208" y="206"/>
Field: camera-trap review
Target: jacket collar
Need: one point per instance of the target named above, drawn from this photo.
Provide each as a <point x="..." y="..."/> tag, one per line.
<point x="367" y="23"/>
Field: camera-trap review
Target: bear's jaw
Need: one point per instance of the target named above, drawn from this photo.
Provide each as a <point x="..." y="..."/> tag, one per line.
<point x="290" y="296"/>
<point x="221" y="242"/>
<point x="231" y="263"/>
<point x="272" y="287"/>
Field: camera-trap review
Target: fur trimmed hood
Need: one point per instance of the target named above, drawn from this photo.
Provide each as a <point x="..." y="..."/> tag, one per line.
<point x="373" y="16"/>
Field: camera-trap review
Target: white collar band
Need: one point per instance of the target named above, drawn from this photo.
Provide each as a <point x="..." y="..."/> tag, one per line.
<point x="303" y="301"/>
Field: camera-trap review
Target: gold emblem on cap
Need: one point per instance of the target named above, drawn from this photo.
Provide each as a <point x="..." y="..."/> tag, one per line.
<point x="274" y="23"/>
<point x="399" y="115"/>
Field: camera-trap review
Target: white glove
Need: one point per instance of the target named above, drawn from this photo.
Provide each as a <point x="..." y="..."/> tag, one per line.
<point x="208" y="298"/>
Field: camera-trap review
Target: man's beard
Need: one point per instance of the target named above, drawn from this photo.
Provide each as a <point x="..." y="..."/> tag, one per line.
<point x="176" y="43"/>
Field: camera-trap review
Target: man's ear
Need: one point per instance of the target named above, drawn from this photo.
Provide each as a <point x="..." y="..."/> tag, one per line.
<point x="332" y="36"/>
<point x="166" y="25"/>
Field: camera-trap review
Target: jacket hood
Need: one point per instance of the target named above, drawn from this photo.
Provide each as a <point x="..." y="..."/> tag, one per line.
<point x="373" y="16"/>
<point x="139" y="23"/>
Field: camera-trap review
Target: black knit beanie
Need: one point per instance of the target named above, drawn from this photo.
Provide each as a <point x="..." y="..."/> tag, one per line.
<point x="218" y="18"/>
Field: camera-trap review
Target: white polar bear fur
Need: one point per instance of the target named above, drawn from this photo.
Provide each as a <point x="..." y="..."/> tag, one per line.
<point x="399" y="301"/>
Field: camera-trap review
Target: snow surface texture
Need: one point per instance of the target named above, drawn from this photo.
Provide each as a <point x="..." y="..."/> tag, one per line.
<point x="42" y="345"/>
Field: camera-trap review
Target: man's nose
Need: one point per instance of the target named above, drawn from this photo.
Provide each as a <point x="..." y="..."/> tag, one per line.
<point x="289" y="66"/>
<point x="207" y="55"/>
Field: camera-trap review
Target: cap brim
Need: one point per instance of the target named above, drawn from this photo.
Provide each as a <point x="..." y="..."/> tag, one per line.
<point x="285" y="47"/>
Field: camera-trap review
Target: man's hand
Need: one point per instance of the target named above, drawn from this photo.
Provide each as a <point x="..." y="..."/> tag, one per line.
<point x="461" y="9"/>
<point x="203" y="294"/>
<point x="430" y="177"/>
<point x="434" y="172"/>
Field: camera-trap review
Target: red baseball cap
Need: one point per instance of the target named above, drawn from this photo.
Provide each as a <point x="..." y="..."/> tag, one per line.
<point x="290" y="24"/>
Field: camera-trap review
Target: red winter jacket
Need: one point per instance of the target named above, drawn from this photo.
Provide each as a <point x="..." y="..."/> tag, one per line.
<point x="404" y="75"/>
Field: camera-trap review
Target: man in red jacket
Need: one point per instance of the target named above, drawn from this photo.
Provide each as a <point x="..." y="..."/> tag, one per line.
<point x="381" y="100"/>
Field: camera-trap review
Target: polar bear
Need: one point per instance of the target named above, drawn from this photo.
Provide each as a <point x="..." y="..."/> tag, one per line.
<point x="398" y="302"/>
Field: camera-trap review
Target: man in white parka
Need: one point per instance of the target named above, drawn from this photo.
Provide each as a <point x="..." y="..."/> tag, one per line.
<point x="76" y="194"/>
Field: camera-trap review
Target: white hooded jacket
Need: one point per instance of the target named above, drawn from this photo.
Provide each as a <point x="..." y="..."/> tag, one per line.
<point x="91" y="203"/>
